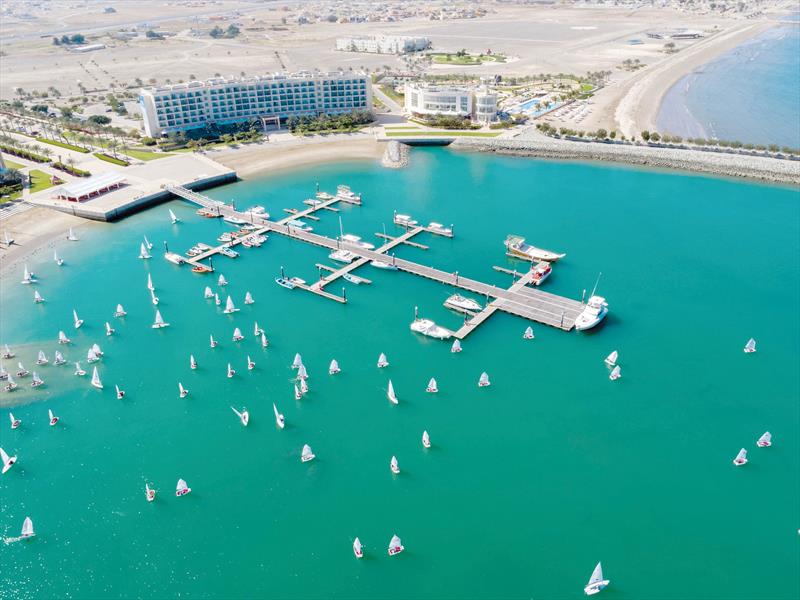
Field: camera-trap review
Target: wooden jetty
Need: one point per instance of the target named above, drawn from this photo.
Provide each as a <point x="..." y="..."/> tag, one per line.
<point x="519" y="299"/>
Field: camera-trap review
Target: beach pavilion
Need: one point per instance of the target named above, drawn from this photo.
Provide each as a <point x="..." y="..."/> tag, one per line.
<point x="91" y="187"/>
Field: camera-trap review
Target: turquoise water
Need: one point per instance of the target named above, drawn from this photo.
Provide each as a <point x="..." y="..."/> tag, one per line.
<point x="529" y="482"/>
<point x="750" y="94"/>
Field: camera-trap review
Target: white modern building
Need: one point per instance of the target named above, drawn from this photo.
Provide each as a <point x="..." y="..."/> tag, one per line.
<point x="478" y="104"/>
<point x="383" y="44"/>
<point x="223" y="101"/>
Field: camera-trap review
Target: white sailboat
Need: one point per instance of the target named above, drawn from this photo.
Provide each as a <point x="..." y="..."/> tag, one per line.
<point x="426" y="440"/>
<point x="143" y="253"/>
<point x="7" y="353"/>
<point x="159" y="323"/>
<point x="741" y="458"/>
<point x="53" y="418"/>
<point x="765" y="441"/>
<point x="301" y="372"/>
<point x="147" y="243"/>
<point x="27" y="276"/>
<point x="394" y="466"/>
<point x="8" y="461"/>
<point x="231" y="371"/>
<point x="10" y="385"/>
<point x="390" y="393"/>
<point x="59" y="359"/>
<point x="248" y="298"/>
<point x="217" y="301"/>
<point x="303" y="387"/>
<point x="214" y="342"/>
<point x="150" y="285"/>
<point x="3" y="373"/>
<point x="120" y="393"/>
<point x="307" y="454"/>
<point x="432" y="387"/>
<point x="172" y="217"/>
<point x="221" y="281"/>
<point x="395" y="546"/>
<point x="58" y="260"/>
<point x="298" y="395"/>
<point x="382" y="362"/>
<point x="257" y="331"/>
<point x="528" y="335"/>
<point x="23" y="372"/>
<point x="9" y="240"/>
<point x="182" y="489"/>
<point x="109" y="329"/>
<point x="37" y="298"/>
<point x="456" y="347"/>
<point x="41" y="359"/>
<point x="298" y="360"/>
<point x="77" y="322"/>
<point x="14" y="422"/>
<point x="71" y="236"/>
<point x="207" y="293"/>
<point x="97" y="351"/>
<point x="78" y="371"/>
<point x="192" y="362"/>
<point x="96" y="379"/>
<point x="279" y="420"/>
<point x="616" y="373"/>
<point x="749" y="347"/>
<point x="333" y="368"/>
<point x="484" y="380"/>
<point x="36" y="380"/>
<point x="62" y="338"/>
<point x="153" y="298"/>
<point x="229" y="306"/>
<point x="611" y="359"/>
<point x="149" y="493"/>
<point x="264" y="342"/>
<point x="27" y="528"/>
<point x="237" y="335"/>
<point x="91" y="356"/>
<point x="597" y="582"/>
<point x="120" y="312"/>
<point x="244" y="416"/>
<point x="182" y="391"/>
<point x="357" y="548"/>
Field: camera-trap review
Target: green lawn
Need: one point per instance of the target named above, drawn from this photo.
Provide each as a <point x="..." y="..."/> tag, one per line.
<point x="468" y="59"/>
<point x="146" y="154"/>
<point x="62" y="145"/>
<point x="442" y="133"/>
<point x="390" y="91"/>
<point x="406" y="127"/>
<point x="39" y="181"/>
<point x="110" y="159"/>
<point x="10" y="164"/>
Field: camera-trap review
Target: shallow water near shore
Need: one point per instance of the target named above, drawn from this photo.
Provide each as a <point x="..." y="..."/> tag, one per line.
<point x="529" y="482"/>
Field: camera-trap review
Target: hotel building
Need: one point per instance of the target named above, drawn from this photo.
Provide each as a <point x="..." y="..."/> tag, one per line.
<point x="221" y="101"/>
<point x="478" y="104"/>
<point x="383" y="44"/>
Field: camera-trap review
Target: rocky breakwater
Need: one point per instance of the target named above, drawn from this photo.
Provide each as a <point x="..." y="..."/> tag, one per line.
<point x="395" y="156"/>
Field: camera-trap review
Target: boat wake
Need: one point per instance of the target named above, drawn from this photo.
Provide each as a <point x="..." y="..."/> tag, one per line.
<point x="11" y="540"/>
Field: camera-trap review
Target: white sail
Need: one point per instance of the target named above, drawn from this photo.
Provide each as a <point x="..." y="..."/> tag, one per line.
<point x="78" y="322"/>
<point x="298" y="360"/>
<point x="611" y="359"/>
<point x="27" y="528"/>
<point x="120" y="393"/>
<point x="250" y="364"/>
<point x="334" y="367"/>
<point x="395" y="545"/>
<point x="256" y="329"/>
<point x="26" y="276"/>
<point x="221" y="281"/>
<point x="616" y="373"/>
<point x="109" y="329"/>
<point x="765" y="440"/>
<point x="173" y="217"/>
<point x="357" y="548"/>
<point x="41" y="359"/>
<point x="37" y="381"/>
<point x="14" y="422"/>
<point x="750" y="346"/>
<point x="303" y="386"/>
<point x="297" y="394"/>
<point x="59" y="358"/>
<point x="597" y="574"/>
<point x="393" y="465"/>
<point x="248" y="298"/>
<point x="231" y="372"/>
<point x="390" y="393"/>
<point x="96" y="379"/>
<point x="229" y="306"/>
<point x="97" y="351"/>
<point x="263" y="341"/>
<point x="217" y="301"/>
<point x="182" y="391"/>
<point x="37" y="297"/>
<point x="182" y="489"/>
<point x="741" y="458"/>
<point x="147" y="243"/>
<point x="279" y="420"/>
<point x="159" y="322"/>
<point x="307" y="453"/>
<point x="484" y="379"/>
<point x="71" y="236"/>
<point x="6" y="459"/>
<point x="78" y="371"/>
<point x="237" y="334"/>
<point x="244" y="416"/>
<point x="301" y="372"/>
<point x="432" y="387"/>
<point x="426" y="440"/>
<point x="53" y="418"/>
<point x="382" y="362"/>
<point x="150" y="285"/>
<point x="143" y="253"/>
<point x="120" y="312"/>
<point x="192" y="362"/>
<point x="528" y="335"/>
<point x="91" y="356"/>
<point x="207" y="293"/>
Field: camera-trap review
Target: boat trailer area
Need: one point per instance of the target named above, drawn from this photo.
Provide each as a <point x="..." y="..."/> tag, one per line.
<point x="519" y="299"/>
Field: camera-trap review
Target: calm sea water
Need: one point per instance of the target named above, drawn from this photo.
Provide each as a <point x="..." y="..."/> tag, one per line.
<point x="750" y="94"/>
<point x="529" y="482"/>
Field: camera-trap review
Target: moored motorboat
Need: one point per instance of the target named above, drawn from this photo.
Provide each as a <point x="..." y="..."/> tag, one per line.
<point x="355" y="240"/>
<point x="343" y="256"/>
<point x="541" y="271"/>
<point x="429" y="328"/>
<point x="175" y="259"/>
<point x="462" y="304"/>
<point x="283" y="282"/>
<point x="404" y="220"/>
<point x="439" y="229"/>
<point x="384" y="265"/>
<point x="595" y="311"/>
<point x="516" y="247"/>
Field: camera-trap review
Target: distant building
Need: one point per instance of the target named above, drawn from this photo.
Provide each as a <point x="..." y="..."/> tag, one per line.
<point x="383" y="44"/>
<point x="478" y="104"/>
<point x="196" y="104"/>
<point x="87" y="48"/>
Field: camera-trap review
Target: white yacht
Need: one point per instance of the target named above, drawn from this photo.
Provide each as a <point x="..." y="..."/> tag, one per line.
<point x="597" y="582"/>
<point x="405" y="220"/>
<point x="462" y="304"/>
<point x="299" y="225"/>
<point x="355" y="240"/>
<point x="440" y="229"/>
<point x="384" y="265"/>
<point x="516" y="247"/>
<point x="343" y="256"/>
<point x="430" y="329"/>
<point x="595" y="311"/>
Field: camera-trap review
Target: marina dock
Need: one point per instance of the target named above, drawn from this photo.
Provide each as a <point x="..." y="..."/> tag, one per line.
<point x="519" y="299"/>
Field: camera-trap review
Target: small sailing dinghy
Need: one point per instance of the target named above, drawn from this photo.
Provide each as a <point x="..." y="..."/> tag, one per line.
<point x="456" y="347"/>
<point x="765" y="441"/>
<point x="96" y="348"/>
<point x="78" y="371"/>
<point x="120" y="393"/>
<point x="37" y="298"/>
<point x="596" y="582"/>
<point x="432" y="387"/>
<point x="62" y="338"/>
<point x="264" y="342"/>
<point x="217" y="301"/>
<point x="333" y="369"/>
<point x="9" y="240"/>
<point x="307" y="454"/>
<point x="53" y="418"/>
<point x="22" y="372"/>
<point x="394" y="466"/>
<point x="7" y="353"/>
<point x="149" y="493"/>
<point x="8" y="461"/>
<point x="150" y="285"/>
<point x="426" y="440"/>
<point x="303" y="387"/>
<point x="143" y="253"/>
<point x="611" y="359"/>
<point x="616" y="373"/>
<point x="27" y="528"/>
<point x="357" y="548"/>
<point x="182" y="391"/>
<point x="172" y="217"/>
<point x="10" y="385"/>
<point x="528" y="335"/>
<point x="182" y="489"/>
<point x="248" y="298"/>
<point x="147" y="243"/>
<point x="230" y="307"/>
<point x="59" y="359"/>
<point x="41" y="359"/>
<point x="109" y="329"/>
<point x="214" y="342"/>
<point x="120" y="312"/>
<point x="159" y="323"/>
<point x="192" y="362"/>
<point x="91" y="356"/>
<point x="484" y="380"/>
<point x="221" y="281"/>
<point x="301" y="372"/>
<point x="27" y="277"/>
<point x="96" y="379"/>
<point x="58" y="260"/>
<point x="71" y="236"/>
<point x="297" y="362"/>
<point x="78" y="322"/>
<point x="3" y="373"/>
<point x="390" y="393"/>
<point x="231" y="372"/>
<point x="14" y="422"/>
<point x="749" y="347"/>
<point x="257" y="331"/>
<point x="153" y="298"/>
<point x="244" y="416"/>
<point x="250" y="364"/>
<point x="207" y="293"/>
<point x="237" y="335"/>
<point x="298" y="395"/>
<point x="395" y="546"/>
<point x="36" y="380"/>
<point x="382" y="362"/>
<point x="279" y="420"/>
<point x="741" y="458"/>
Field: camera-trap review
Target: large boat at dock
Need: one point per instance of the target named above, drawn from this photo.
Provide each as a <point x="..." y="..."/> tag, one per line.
<point x="430" y="329"/>
<point x="461" y="304"/>
<point x="595" y="311"/>
<point x="518" y="248"/>
<point x="541" y="271"/>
